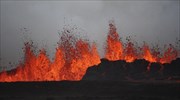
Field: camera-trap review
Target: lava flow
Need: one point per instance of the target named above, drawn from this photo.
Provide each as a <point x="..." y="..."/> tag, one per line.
<point x="73" y="56"/>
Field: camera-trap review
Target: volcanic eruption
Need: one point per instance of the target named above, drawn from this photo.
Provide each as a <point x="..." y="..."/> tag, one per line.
<point x="125" y="61"/>
<point x="74" y="56"/>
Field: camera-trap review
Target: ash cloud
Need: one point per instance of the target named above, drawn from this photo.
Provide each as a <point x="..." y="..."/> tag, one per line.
<point x="150" y="21"/>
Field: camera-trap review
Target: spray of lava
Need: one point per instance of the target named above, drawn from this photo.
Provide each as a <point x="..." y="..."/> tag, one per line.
<point x="73" y="56"/>
<point x="115" y="50"/>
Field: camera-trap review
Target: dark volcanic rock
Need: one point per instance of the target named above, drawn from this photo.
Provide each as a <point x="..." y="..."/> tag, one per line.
<point x="172" y="70"/>
<point x="106" y="70"/>
<point x="104" y="82"/>
<point x="137" y="70"/>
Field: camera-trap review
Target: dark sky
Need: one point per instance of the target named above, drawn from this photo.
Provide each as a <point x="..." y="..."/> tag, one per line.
<point x="151" y="21"/>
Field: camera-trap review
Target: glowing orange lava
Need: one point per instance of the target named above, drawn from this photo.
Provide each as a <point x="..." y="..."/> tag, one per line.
<point x="73" y="56"/>
<point x="116" y="51"/>
<point x="70" y="62"/>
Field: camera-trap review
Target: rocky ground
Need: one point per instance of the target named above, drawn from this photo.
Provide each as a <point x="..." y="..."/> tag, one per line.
<point x="90" y="90"/>
<point x="109" y="80"/>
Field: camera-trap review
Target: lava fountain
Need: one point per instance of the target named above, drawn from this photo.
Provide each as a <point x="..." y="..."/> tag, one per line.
<point x="115" y="50"/>
<point x="74" y="55"/>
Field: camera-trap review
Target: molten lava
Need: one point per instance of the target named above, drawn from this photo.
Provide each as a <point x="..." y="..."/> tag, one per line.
<point x="115" y="50"/>
<point x="73" y="56"/>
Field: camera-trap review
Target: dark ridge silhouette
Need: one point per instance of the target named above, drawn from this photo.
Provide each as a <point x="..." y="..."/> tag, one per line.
<point x="137" y="70"/>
